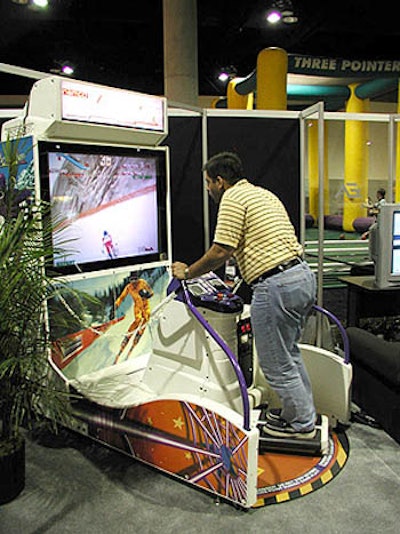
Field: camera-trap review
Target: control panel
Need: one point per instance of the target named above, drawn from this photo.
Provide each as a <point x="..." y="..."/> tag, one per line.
<point x="210" y="292"/>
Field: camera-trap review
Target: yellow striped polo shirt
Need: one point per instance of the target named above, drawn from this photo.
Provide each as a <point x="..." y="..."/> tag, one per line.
<point x="255" y="223"/>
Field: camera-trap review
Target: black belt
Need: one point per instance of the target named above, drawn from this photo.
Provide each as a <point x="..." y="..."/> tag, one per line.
<point x="278" y="269"/>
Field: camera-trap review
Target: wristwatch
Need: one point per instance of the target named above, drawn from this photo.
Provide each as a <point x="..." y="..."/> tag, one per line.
<point x="186" y="273"/>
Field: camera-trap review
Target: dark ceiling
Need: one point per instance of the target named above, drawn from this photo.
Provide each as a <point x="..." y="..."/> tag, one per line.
<point x="120" y="43"/>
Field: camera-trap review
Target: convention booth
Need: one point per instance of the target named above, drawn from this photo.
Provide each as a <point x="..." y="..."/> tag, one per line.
<point x="162" y="371"/>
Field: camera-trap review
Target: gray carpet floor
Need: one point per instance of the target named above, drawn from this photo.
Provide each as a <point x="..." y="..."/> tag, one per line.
<point x="75" y="485"/>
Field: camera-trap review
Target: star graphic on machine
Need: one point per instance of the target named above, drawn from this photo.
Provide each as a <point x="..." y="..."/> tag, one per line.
<point x="178" y="423"/>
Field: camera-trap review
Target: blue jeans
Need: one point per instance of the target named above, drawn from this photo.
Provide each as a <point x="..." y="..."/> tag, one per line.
<point x="279" y="307"/>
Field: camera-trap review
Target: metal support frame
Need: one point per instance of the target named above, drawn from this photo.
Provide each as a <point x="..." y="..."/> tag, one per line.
<point x="392" y="155"/>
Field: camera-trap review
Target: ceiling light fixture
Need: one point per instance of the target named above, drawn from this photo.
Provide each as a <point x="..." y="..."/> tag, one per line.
<point x="281" y="10"/>
<point x="62" y="67"/>
<point x="227" y="73"/>
<point x="288" y="17"/>
<point x="67" y="69"/>
<point x="223" y="76"/>
<point x="40" y="3"/>
<point x="32" y="3"/>
<point x="274" y="16"/>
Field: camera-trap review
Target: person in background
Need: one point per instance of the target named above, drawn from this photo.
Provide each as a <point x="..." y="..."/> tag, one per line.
<point x="254" y="227"/>
<point x="374" y="209"/>
<point x="380" y="196"/>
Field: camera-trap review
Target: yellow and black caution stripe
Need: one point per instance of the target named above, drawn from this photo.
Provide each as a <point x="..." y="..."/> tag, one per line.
<point x="327" y="467"/>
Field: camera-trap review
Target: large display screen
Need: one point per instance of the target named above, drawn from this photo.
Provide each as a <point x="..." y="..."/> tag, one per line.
<point x="396" y="244"/>
<point x="108" y="205"/>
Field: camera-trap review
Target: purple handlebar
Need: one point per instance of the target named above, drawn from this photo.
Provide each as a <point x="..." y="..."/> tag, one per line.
<point x="346" y="346"/>
<point x="228" y="352"/>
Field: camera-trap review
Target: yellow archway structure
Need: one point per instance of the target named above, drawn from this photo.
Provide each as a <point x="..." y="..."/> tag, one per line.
<point x="355" y="162"/>
<point x="272" y="68"/>
<point x="237" y="101"/>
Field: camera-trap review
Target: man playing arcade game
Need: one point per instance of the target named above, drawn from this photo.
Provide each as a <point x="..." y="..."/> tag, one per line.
<point x="254" y="227"/>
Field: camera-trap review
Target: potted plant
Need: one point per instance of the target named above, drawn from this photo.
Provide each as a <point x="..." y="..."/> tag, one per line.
<point x="26" y="391"/>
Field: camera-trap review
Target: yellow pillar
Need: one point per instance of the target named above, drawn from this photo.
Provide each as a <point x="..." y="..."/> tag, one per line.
<point x="272" y="67"/>
<point x="397" y="184"/>
<point x="313" y="182"/>
<point x="355" y="163"/>
<point x="236" y="101"/>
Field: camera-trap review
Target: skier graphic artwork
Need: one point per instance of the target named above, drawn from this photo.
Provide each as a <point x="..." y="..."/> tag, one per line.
<point x="140" y="292"/>
<point x="108" y="245"/>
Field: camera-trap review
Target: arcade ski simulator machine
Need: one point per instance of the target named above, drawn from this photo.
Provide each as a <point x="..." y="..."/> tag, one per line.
<point x="162" y="371"/>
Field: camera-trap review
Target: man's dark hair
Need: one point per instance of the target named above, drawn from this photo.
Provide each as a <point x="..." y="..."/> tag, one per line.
<point x="382" y="192"/>
<point x="228" y="165"/>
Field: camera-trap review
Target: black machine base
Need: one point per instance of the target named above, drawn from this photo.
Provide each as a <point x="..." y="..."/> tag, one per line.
<point x="316" y="446"/>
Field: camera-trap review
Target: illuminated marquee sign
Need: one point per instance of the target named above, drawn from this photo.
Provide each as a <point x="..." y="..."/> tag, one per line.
<point x="104" y="105"/>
